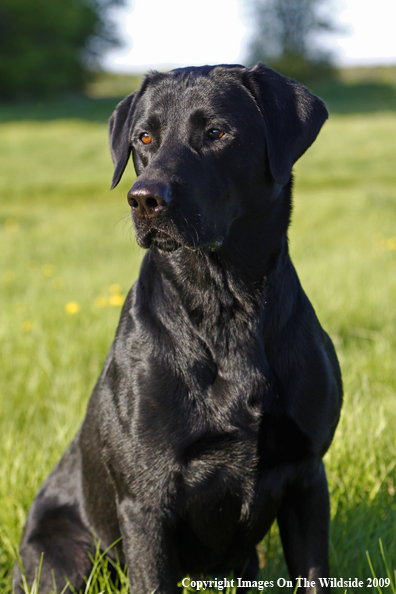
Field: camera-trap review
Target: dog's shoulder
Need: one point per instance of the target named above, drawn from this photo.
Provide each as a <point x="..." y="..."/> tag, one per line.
<point x="302" y="358"/>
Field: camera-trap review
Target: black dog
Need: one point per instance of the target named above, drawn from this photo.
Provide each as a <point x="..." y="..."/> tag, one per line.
<point x="221" y="392"/>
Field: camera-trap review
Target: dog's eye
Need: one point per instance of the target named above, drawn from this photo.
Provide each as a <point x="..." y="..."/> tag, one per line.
<point x="145" y="138"/>
<point x="215" y="134"/>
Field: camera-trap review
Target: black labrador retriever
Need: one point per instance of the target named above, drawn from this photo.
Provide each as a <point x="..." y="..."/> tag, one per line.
<point x="221" y="392"/>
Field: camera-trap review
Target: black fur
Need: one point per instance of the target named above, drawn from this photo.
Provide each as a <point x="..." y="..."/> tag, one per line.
<point x="221" y="392"/>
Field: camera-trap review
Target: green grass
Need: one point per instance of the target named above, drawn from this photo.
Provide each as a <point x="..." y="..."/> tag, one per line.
<point x="66" y="239"/>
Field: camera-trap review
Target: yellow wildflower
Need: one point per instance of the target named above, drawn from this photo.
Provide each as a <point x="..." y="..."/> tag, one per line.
<point x="116" y="300"/>
<point x="72" y="307"/>
<point x="27" y="326"/>
<point x="391" y="243"/>
<point x="101" y="302"/>
<point x="48" y="270"/>
<point x="115" y="289"/>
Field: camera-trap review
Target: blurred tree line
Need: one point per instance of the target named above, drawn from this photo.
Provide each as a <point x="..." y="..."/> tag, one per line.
<point x="285" y="36"/>
<point x="51" y="46"/>
<point x="48" y="47"/>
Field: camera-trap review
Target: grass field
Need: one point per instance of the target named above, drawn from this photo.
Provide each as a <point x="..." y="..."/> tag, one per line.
<point x="68" y="257"/>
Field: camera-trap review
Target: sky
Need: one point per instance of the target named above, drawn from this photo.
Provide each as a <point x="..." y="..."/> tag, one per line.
<point x="169" y="33"/>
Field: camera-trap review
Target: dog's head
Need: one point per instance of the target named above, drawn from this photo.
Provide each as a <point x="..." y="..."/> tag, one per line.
<point x="210" y="145"/>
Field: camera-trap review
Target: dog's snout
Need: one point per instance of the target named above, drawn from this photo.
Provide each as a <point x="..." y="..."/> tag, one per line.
<point x="148" y="199"/>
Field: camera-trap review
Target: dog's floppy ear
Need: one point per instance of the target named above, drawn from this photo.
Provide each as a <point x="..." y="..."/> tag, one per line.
<point x="293" y="117"/>
<point x="119" y="130"/>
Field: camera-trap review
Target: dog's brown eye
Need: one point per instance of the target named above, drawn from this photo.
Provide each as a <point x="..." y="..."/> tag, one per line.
<point x="215" y="134"/>
<point x="145" y="138"/>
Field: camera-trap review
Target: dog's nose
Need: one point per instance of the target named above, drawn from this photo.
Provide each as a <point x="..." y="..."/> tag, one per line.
<point x="148" y="199"/>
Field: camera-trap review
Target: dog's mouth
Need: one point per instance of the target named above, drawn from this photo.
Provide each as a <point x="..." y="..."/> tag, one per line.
<point x="159" y="239"/>
<point x="164" y="242"/>
<point x="168" y="238"/>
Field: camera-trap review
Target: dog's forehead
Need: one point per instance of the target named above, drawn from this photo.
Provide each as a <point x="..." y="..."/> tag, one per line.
<point x="219" y="92"/>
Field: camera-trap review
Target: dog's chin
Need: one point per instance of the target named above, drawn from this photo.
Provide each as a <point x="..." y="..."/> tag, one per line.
<point x="158" y="240"/>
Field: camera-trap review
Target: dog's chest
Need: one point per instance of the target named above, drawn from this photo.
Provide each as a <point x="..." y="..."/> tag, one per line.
<point x="220" y="455"/>
<point x="218" y="469"/>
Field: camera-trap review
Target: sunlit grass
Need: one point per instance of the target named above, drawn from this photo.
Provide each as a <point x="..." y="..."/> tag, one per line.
<point x="69" y="257"/>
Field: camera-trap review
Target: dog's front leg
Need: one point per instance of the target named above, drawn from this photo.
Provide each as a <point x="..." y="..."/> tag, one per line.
<point x="147" y="549"/>
<point x="304" y="522"/>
